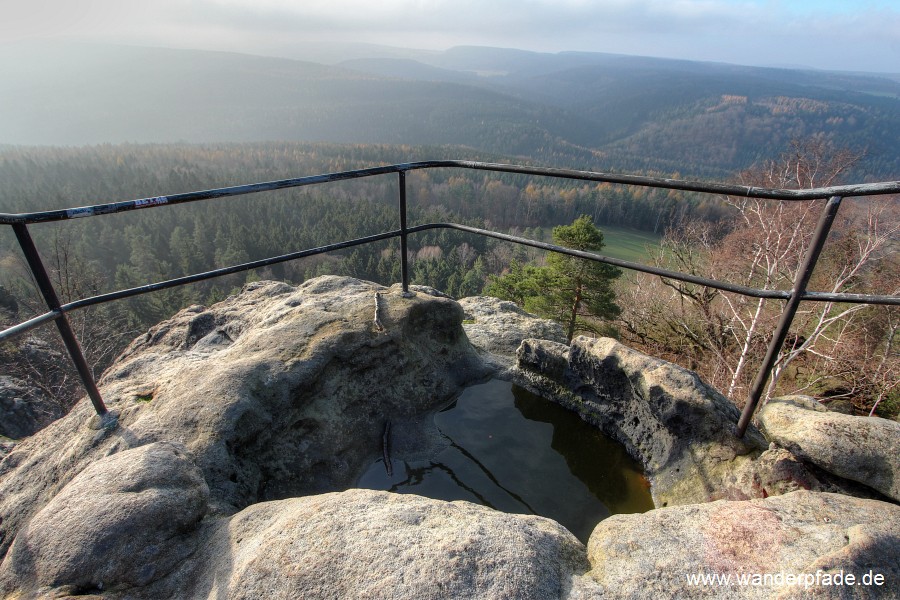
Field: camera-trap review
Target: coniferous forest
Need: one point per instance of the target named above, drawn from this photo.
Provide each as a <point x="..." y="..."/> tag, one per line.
<point x="134" y="248"/>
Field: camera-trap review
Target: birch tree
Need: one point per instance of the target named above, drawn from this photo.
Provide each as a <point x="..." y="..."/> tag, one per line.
<point x="763" y="247"/>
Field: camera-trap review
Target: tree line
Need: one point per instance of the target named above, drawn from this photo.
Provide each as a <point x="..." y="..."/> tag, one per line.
<point x="136" y="248"/>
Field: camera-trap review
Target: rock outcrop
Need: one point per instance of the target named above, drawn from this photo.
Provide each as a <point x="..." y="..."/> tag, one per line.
<point x="276" y="392"/>
<point x="128" y="527"/>
<point x="125" y="521"/>
<point x="35" y="389"/>
<point x="370" y="544"/>
<point x="24" y="409"/>
<point x="497" y="327"/>
<point x="861" y="449"/>
<point x="801" y="533"/>
<point x="680" y="428"/>
<point x="241" y="426"/>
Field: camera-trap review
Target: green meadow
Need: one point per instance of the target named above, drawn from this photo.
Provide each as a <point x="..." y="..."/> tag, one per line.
<point x="628" y="244"/>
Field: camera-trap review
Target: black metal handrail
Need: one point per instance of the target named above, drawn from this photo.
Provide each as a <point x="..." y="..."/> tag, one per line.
<point x="834" y="194"/>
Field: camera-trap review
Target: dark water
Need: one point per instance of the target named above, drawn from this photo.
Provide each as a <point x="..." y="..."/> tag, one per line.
<point x="509" y="449"/>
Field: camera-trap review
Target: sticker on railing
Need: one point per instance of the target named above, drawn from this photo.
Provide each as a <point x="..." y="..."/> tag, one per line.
<point x="84" y="211"/>
<point x="151" y="202"/>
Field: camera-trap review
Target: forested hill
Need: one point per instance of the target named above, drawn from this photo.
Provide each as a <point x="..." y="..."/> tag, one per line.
<point x="580" y="110"/>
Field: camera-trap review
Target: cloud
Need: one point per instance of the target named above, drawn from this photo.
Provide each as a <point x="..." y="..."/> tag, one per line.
<point x="822" y="33"/>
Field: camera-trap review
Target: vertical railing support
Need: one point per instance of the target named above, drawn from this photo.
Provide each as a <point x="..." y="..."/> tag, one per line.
<point x="62" y="322"/>
<point x="404" y="262"/>
<point x="790" y="309"/>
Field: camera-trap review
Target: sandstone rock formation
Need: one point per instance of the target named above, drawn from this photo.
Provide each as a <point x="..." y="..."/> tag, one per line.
<point x="370" y="544"/>
<point x="15" y="419"/>
<point x="127" y="527"/>
<point x="801" y="533"/>
<point x="863" y="449"/>
<point x="681" y="429"/>
<point x="23" y="409"/>
<point x="497" y="327"/>
<point x="239" y="424"/>
<point x="124" y="521"/>
<point x="276" y="392"/>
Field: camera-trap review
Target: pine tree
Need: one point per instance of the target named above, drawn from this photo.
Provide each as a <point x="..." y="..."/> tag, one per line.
<point x="568" y="289"/>
<point x="580" y="288"/>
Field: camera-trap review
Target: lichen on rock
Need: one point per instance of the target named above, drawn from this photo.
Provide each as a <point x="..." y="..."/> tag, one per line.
<point x="653" y="555"/>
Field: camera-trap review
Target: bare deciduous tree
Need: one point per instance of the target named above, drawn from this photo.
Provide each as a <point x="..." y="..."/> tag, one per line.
<point x="763" y="247"/>
<point x="40" y="358"/>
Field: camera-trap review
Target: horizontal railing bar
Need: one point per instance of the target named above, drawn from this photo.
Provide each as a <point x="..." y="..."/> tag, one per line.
<point x="850" y="298"/>
<point x="712" y="283"/>
<point x="57" y="313"/>
<point x="162" y="285"/>
<point x="226" y="192"/>
<point x="747" y="291"/>
<point x="867" y="189"/>
<point x="30" y="324"/>
<point x="870" y="189"/>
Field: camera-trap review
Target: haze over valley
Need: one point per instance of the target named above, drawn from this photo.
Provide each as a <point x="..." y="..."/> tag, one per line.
<point x="576" y="109"/>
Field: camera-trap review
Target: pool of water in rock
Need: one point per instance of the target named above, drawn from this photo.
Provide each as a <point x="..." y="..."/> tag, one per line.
<point x="511" y="450"/>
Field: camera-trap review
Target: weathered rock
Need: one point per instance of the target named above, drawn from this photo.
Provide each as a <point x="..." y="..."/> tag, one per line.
<point x="24" y="409"/>
<point x="6" y="446"/>
<point x="8" y="303"/>
<point x="549" y="360"/>
<point x="680" y="428"/>
<point x="774" y="472"/>
<point x="369" y="544"/>
<point x="497" y="327"/>
<point x="123" y="521"/>
<point x="275" y="392"/>
<point x="862" y="449"/>
<point x="283" y="391"/>
<point x="801" y="533"/>
<point x="31" y="367"/>
<point x="841" y="405"/>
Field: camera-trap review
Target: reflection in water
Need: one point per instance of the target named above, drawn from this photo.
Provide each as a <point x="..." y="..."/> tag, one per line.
<point x="514" y="451"/>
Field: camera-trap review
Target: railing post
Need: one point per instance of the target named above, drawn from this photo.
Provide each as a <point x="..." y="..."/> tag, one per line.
<point x="62" y="322"/>
<point x="404" y="266"/>
<point x="790" y="309"/>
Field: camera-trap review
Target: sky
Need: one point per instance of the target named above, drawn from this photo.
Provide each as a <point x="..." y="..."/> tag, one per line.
<point x="857" y="35"/>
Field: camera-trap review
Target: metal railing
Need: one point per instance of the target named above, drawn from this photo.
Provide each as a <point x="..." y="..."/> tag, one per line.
<point x="834" y="195"/>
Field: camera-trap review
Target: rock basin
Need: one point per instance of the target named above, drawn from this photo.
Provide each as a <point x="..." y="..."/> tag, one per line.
<point x="501" y="446"/>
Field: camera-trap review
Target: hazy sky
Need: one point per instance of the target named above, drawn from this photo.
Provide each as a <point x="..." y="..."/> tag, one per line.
<point x="828" y="34"/>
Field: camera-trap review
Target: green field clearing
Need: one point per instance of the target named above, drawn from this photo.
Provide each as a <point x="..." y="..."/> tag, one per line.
<point x="628" y="244"/>
<point x="622" y="243"/>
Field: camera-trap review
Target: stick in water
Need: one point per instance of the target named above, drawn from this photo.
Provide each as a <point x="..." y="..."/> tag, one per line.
<point x="385" y="450"/>
<point x="377" y="319"/>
